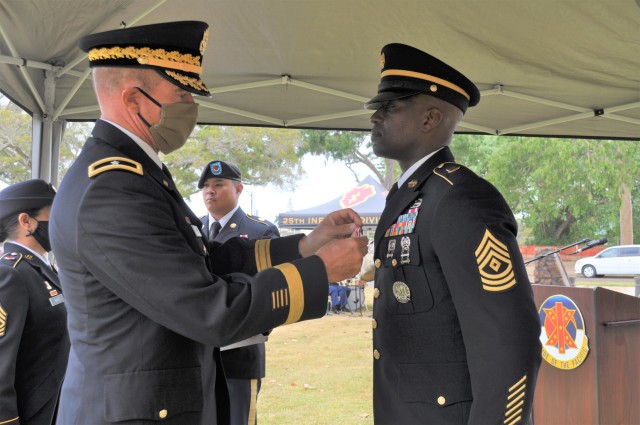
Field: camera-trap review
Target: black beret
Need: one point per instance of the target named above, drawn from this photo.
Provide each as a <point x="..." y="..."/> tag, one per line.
<point x="25" y="196"/>
<point x="407" y="71"/>
<point x="174" y="49"/>
<point x="219" y="170"/>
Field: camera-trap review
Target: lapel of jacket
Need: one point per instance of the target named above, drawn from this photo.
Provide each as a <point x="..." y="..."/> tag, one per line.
<point x="399" y="201"/>
<point x="227" y="232"/>
<point x="123" y="143"/>
<point x="34" y="261"/>
<point x="205" y="225"/>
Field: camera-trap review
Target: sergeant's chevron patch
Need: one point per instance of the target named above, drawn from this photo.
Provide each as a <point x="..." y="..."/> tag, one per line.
<point x="494" y="264"/>
<point x="115" y="163"/>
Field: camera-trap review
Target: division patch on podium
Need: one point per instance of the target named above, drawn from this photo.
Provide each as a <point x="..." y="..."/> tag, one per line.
<point x="564" y="340"/>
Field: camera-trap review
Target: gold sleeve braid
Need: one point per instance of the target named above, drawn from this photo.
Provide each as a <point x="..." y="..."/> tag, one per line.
<point x="263" y="254"/>
<point x="296" y="291"/>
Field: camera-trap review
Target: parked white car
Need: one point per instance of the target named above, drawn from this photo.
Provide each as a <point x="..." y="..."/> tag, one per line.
<point x="622" y="260"/>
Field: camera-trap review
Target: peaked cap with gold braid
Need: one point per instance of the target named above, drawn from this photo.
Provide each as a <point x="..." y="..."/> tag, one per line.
<point x="407" y="71"/>
<point x="174" y="49"/>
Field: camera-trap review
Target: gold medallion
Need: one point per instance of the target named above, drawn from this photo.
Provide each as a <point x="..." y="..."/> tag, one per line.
<point x="402" y="292"/>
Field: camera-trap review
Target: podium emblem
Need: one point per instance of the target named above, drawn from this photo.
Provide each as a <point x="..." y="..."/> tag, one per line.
<point x="564" y="340"/>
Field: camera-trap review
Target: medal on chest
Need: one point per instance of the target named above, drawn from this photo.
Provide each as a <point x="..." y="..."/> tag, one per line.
<point x="406" y="222"/>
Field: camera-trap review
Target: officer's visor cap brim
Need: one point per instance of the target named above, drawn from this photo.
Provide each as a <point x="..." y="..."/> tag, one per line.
<point x="376" y="102"/>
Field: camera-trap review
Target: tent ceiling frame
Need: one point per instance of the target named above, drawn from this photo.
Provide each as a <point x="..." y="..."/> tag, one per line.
<point x="497" y="90"/>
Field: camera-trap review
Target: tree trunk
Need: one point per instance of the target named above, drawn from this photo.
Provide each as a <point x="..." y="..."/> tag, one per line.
<point x="626" y="216"/>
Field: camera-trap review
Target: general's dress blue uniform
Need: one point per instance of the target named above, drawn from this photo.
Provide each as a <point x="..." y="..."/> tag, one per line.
<point x="455" y="328"/>
<point x="146" y="306"/>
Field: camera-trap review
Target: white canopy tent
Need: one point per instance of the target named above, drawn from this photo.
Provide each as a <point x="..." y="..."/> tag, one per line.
<point x="559" y="68"/>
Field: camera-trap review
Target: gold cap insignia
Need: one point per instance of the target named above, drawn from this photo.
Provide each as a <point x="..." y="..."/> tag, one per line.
<point x="382" y="60"/>
<point x="494" y="264"/>
<point x="203" y="43"/>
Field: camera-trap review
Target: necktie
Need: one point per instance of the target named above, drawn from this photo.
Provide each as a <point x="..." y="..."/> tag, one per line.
<point x="213" y="230"/>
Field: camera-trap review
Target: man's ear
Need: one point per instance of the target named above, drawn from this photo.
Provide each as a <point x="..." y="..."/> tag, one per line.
<point x="131" y="99"/>
<point x="431" y="119"/>
<point x="239" y="188"/>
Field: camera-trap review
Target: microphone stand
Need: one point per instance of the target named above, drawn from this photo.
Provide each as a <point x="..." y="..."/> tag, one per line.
<point x="555" y="251"/>
<point x="563" y="272"/>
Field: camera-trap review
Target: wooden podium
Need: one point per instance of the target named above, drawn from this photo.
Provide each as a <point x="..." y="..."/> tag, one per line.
<point x="599" y="386"/>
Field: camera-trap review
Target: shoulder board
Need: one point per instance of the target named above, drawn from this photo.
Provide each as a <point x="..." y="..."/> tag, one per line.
<point x="257" y="219"/>
<point x="12" y="256"/>
<point x="445" y="169"/>
<point x="115" y="163"/>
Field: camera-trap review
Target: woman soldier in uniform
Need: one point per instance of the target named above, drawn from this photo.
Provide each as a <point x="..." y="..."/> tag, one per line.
<point x="33" y="319"/>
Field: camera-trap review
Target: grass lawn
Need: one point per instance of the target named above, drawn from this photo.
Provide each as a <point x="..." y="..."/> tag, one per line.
<point x="319" y="372"/>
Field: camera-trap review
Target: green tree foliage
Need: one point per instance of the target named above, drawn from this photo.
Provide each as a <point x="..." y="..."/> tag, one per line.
<point x="475" y="151"/>
<point x="564" y="190"/>
<point x="265" y="155"/>
<point x="75" y="134"/>
<point x="349" y="147"/>
<point x="15" y="143"/>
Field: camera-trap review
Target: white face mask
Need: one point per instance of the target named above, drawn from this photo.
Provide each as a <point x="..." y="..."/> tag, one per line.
<point x="177" y="121"/>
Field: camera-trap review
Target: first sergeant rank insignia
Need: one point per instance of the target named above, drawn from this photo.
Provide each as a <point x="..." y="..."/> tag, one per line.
<point x="494" y="264"/>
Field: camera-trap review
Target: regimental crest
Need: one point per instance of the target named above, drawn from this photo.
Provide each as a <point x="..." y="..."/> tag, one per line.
<point x="216" y="168"/>
<point x="382" y="60"/>
<point x="357" y="196"/>
<point x="564" y="340"/>
<point x="494" y="264"/>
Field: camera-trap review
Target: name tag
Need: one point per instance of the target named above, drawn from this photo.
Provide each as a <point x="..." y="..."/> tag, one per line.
<point x="196" y="230"/>
<point x="58" y="299"/>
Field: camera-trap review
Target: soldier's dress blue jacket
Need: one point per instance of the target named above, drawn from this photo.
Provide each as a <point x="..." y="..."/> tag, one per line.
<point x="244" y="362"/>
<point x="144" y="310"/>
<point x="33" y="338"/>
<point x="456" y="332"/>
